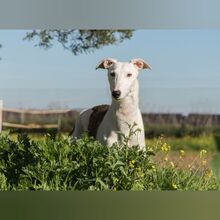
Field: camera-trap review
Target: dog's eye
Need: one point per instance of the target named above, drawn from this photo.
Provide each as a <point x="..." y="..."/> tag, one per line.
<point x="112" y="74"/>
<point x="129" y="75"/>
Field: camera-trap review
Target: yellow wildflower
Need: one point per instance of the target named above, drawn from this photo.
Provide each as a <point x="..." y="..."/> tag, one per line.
<point x="139" y="169"/>
<point x="182" y="153"/>
<point x="131" y="164"/>
<point x="191" y="167"/>
<point x="166" y="159"/>
<point x="172" y="164"/>
<point x="209" y="174"/>
<point x="174" y="186"/>
<point x="153" y="168"/>
<point x="141" y="174"/>
<point x="150" y="149"/>
<point x="165" y="148"/>
<point x="202" y="153"/>
<point x="204" y="162"/>
<point x="115" y="181"/>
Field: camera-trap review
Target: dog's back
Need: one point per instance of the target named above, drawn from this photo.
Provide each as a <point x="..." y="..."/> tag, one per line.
<point x="93" y="117"/>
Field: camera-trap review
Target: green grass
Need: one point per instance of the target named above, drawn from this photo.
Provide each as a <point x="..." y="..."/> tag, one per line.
<point x="184" y="143"/>
<point x="152" y="131"/>
<point x="55" y="163"/>
<point x="188" y="143"/>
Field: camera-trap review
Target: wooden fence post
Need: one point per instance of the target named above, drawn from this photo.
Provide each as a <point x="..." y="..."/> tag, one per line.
<point x="59" y="123"/>
<point x="1" y="109"/>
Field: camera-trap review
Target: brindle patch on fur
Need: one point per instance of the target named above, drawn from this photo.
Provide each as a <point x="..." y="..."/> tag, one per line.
<point x="96" y="118"/>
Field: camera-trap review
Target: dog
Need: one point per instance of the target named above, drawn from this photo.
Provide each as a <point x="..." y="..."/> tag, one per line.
<point x="106" y="123"/>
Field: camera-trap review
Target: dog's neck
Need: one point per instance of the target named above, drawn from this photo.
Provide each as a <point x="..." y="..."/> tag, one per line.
<point x="128" y="105"/>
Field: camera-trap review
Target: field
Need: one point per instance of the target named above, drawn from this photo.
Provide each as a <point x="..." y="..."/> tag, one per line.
<point x="53" y="162"/>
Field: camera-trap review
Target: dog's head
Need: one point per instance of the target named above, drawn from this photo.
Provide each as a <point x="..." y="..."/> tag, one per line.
<point x="122" y="75"/>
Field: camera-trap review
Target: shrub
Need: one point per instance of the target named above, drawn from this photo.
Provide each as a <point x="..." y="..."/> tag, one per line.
<point x="55" y="163"/>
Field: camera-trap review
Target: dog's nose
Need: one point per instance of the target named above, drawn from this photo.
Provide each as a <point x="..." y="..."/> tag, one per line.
<point x="116" y="94"/>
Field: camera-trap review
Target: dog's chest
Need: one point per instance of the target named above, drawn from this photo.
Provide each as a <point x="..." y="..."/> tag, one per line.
<point x="115" y="124"/>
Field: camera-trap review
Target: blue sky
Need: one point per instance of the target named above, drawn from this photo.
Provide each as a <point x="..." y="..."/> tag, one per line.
<point x="179" y="58"/>
<point x="186" y="61"/>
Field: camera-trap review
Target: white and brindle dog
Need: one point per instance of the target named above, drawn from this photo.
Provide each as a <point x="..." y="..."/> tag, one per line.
<point x="106" y="123"/>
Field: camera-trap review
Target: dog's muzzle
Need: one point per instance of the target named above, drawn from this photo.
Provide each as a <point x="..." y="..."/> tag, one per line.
<point x="116" y="94"/>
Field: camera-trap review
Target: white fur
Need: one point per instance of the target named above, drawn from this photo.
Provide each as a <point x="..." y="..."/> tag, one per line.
<point x="122" y="111"/>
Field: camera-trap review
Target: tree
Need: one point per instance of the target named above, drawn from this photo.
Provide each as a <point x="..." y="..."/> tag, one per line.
<point x="78" y="41"/>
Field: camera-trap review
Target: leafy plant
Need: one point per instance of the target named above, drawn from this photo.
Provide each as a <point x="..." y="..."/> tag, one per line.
<point x="55" y="162"/>
<point x="78" y="41"/>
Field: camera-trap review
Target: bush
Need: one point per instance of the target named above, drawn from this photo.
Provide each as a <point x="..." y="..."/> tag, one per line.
<point x="55" y="163"/>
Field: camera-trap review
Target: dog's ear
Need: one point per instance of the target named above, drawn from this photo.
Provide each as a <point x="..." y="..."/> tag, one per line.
<point x="140" y="64"/>
<point x="106" y="63"/>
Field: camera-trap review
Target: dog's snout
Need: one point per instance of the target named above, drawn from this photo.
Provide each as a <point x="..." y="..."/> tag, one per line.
<point x="116" y="94"/>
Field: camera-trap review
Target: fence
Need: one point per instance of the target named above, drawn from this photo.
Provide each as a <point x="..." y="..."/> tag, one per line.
<point x="38" y="119"/>
<point x="64" y="120"/>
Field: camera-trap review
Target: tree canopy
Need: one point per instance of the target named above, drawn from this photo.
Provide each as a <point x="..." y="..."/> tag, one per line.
<point x="78" y="41"/>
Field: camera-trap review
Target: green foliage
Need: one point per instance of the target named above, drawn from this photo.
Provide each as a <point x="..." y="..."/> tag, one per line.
<point x="57" y="163"/>
<point x="176" y="131"/>
<point x="78" y="41"/>
<point x="216" y="135"/>
<point x="216" y="165"/>
<point x="189" y="143"/>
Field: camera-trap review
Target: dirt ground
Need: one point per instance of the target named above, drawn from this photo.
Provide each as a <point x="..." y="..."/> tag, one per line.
<point x="190" y="159"/>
